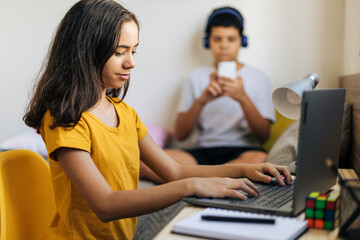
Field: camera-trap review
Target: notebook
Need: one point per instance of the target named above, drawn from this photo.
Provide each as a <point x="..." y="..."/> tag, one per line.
<point x="319" y="139"/>
<point x="284" y="227"/>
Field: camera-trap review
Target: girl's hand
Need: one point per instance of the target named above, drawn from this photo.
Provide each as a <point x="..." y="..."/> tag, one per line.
<point x="257" y="172"/>
<point x="222" y="187"/>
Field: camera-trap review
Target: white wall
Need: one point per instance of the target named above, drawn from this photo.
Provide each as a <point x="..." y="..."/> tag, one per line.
<point x="287" y="39"/>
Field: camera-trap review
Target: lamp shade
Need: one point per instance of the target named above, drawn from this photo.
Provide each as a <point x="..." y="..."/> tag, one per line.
<point x="287" y="99"/>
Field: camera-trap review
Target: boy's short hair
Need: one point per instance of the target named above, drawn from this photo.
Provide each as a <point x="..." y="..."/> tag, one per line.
<point x="226" y="17"/>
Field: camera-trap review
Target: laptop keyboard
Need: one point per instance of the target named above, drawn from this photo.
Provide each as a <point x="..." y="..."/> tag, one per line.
<point x="271" y="195"/>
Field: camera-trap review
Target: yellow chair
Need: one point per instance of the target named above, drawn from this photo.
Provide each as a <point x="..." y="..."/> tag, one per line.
<point x="27" y="202"/>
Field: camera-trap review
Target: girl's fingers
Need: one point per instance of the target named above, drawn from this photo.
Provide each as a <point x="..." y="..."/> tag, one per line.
<point x="251" y="185"/>
<point x="275" y="171"/>
<point x="228" y="187"/>
<point x="285" y="171"/>
<point x="235" y="194"/>
<point x="261" y="177"/>
<point x="266" y="168"/>
<point x="242" y="184"/>
<point x="250" y="188"/>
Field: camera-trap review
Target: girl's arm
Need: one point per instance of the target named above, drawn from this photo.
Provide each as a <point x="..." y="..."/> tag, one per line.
<point x="169" y="170"/>
<point x="110" y="205"/>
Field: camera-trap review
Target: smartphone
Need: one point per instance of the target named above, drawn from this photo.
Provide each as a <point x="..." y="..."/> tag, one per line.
<point x="227" y="69"/>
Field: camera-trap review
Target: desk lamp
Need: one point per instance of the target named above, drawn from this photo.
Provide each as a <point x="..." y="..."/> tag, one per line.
<point x="287" y="99"/>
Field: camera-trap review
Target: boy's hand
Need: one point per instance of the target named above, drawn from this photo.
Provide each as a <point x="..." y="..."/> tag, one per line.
<point x="233" y="88"/>
<point x="212" y="91"/>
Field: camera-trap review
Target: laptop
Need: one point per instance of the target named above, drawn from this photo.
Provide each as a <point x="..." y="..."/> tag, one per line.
<point x="319" y="139"/>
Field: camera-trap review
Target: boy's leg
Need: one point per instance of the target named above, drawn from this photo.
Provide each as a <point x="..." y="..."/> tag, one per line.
<point x="181" y="156"/>
<point x="250" y="157"/>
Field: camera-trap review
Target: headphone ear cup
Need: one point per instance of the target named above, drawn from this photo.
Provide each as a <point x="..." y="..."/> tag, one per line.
<point x="244" y="41"/>
<point x="206" y="42"/>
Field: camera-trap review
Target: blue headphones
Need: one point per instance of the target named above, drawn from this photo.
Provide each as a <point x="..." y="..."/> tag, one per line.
<point x="226" y="10"/>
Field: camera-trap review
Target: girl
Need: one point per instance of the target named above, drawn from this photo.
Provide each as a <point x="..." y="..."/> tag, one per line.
<point x="95" y="140"/>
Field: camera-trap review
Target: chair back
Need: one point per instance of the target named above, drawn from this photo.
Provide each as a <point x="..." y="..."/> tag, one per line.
<point x="27" y="202"/>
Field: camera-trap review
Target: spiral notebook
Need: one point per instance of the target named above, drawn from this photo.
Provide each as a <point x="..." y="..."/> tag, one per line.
<point x="284" y="227"/>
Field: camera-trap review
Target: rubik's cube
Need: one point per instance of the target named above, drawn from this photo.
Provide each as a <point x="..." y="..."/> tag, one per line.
<point x="322" y="210"/>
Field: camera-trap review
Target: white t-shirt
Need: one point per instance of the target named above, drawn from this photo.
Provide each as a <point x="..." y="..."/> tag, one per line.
<point x="222" y="121"/>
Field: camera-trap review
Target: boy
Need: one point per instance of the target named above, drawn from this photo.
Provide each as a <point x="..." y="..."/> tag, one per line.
<point x="231" y="117"/>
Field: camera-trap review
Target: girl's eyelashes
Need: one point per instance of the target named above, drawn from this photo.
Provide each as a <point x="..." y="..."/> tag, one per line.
<point x="123" y="53"/>
<point x="119" y="53"/>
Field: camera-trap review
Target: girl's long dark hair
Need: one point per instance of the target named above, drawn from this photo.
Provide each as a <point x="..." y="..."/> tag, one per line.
<point x="70" y="81"/>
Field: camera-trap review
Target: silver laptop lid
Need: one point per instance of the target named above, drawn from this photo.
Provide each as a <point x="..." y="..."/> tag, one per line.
<point x="319" y="139"/>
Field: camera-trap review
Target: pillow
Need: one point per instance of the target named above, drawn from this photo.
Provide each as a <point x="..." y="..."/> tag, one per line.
<point x="276" y="130"/>
<point x="284" y="150"/>
<point x="160" y="135"/>
<point x="27" y="139"/>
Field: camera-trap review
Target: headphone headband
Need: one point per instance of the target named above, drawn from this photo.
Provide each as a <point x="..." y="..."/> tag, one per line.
<point x="225" y="10"/>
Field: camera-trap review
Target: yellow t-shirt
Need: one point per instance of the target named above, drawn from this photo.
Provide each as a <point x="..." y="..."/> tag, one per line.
<point x="115" y="152"/>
